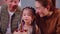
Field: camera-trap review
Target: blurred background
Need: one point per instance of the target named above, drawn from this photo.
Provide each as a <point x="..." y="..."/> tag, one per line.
<point x="57" y="3"/>
<point x="24" y="3"/>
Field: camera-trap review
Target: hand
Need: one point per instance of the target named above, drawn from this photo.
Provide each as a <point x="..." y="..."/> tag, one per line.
<point x="16" y="32"/>
<point x="20" y="32"/>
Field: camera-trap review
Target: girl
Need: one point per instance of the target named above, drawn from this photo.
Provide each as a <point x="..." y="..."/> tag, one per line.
<point x="28" y="22"/>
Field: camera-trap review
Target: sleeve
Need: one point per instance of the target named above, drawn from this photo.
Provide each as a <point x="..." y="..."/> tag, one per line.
<point x="0" y="20"/>
<point x="58" y="25"/>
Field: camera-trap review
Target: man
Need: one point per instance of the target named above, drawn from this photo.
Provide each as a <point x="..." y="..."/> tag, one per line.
<point x="1" y="3"/>
<point x="10" y="14"/>
<point x="48" y="17"/>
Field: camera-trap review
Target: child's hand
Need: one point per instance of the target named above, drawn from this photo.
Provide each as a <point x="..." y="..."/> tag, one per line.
<point x="20" y="32"/>
<point x="16" y="32"/>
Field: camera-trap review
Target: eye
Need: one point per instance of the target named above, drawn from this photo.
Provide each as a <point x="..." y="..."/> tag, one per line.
<point x="37" y="7"/>
<point x="24" y="14"/>
<point x="29" y="15"/>
<point x="15" y="2"/>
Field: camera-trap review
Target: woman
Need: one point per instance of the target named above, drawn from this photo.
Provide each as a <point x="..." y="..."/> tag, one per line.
<point x="48" y="17"/>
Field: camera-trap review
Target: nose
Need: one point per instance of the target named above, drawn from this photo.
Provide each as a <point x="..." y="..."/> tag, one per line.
<point x="26" y="16"/>
<point x="37" y="11"/>
<point x="14" y="5"/>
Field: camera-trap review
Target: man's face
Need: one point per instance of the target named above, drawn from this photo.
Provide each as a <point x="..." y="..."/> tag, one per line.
<point x="12" y="4"/>
<point x="40" y="10"/>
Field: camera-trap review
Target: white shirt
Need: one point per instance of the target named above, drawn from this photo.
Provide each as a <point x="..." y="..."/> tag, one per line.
<point x="10" y="13"/>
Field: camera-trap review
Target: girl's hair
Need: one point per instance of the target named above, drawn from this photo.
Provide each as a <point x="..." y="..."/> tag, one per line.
<point x="32" y="10"/>
<point x="34" y="20"/>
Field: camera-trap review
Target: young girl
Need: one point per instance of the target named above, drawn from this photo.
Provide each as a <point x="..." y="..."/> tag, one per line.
<point x="28" y="22"/>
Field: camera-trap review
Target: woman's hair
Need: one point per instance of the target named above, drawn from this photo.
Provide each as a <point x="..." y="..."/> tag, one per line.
<point x="32" y="10"/>
<point x="45" y="3"/>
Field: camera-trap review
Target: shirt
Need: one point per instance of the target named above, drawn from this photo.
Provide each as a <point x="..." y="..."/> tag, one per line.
<point x="9" y="25"/>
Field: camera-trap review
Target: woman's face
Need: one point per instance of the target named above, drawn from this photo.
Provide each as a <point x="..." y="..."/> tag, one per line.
<point x="27" y="16"/>
<point x="40" y="10"/>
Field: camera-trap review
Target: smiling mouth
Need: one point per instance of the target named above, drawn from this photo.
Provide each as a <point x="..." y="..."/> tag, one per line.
<point x="14" y="7"/>
<point x="26" y="19"/>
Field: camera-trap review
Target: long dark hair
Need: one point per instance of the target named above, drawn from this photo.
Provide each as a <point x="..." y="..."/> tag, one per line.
<point x="46" y="2"/>
<point x="34" y="20"/>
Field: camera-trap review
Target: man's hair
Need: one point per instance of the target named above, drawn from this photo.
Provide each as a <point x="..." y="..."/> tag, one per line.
<point x="45" y="3"/>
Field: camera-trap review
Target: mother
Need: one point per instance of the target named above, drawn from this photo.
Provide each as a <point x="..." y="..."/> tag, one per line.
<point x="48" y="17"/>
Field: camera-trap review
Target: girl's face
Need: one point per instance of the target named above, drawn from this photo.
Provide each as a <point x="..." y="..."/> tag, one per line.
<point x="27" y="16"/>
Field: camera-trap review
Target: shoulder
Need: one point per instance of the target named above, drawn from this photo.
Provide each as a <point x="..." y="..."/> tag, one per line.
<point x="57" y="12"/>
<point x="58" y="21"/>
<point x="4" y="6"/>
<point x="19" y="8"/>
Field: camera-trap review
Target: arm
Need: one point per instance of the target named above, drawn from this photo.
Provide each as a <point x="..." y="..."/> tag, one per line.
<point x="0" y="20"/>
<point x="58" y="25"/>
<point x="38" y="30"/>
